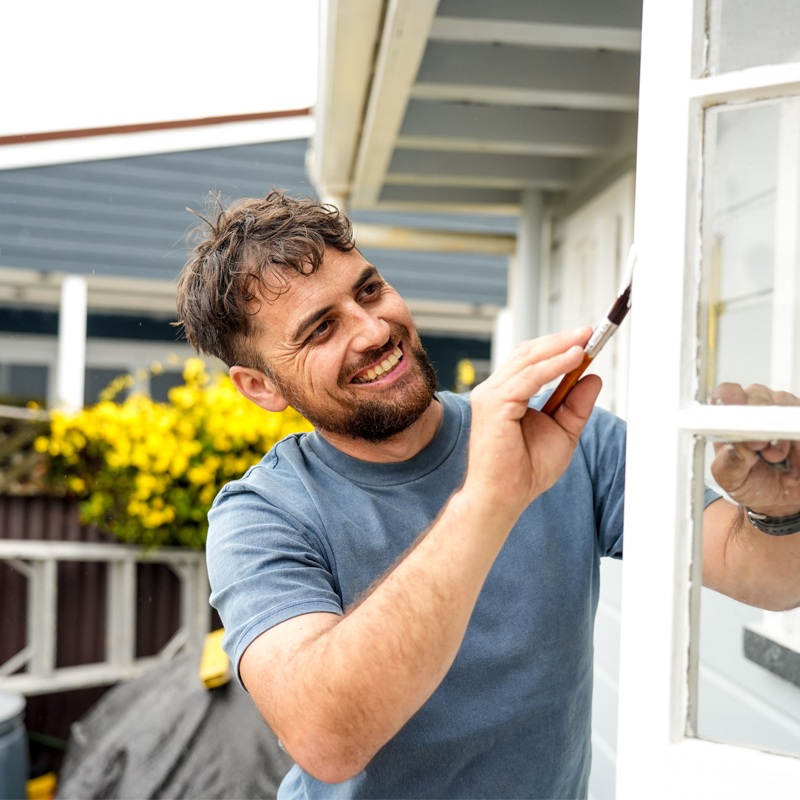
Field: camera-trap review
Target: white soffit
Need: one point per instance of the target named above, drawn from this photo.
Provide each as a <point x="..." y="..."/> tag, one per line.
<point x="405" y="36"/>
<point x="533" y="34"/>
<point x="466" y="108"/>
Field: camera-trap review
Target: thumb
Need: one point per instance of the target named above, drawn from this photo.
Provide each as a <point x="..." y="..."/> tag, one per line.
<point x="573" y="414"/>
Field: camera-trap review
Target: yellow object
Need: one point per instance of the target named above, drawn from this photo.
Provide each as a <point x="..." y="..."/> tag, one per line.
<point x="43" y="787"/>
<point x="215" y="668"/>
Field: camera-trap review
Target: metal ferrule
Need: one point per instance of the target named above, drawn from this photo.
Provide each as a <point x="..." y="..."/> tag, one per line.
<point x="602" y="333"/>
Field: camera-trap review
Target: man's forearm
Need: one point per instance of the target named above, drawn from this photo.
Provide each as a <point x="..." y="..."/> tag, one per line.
<point x="355" y="685"/>
<point x="747" y="564"/>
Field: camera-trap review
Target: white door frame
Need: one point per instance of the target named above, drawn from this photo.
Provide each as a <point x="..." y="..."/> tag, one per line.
<point x="658" y="756"/>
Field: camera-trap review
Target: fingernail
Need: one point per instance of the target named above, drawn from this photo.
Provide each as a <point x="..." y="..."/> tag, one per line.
<point x="774" y="442"/>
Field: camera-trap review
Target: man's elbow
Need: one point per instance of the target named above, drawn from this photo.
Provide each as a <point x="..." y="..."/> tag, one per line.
<point x="328" y="759"/>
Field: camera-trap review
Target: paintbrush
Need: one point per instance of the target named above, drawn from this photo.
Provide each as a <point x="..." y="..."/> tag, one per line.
<point x="601" y="334"/>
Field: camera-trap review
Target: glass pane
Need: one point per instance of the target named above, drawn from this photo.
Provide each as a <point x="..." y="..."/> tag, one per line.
<point x="161" y="383"/>
<point x="97" y="379"/>
<point x="746" y="33"/>
<point x="748" y="681"/>
<point x="750" y="236"/>
<point x="22" y="383"/>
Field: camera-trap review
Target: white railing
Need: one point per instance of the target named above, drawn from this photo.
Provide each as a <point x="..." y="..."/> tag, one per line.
<point x="38" y="562"/>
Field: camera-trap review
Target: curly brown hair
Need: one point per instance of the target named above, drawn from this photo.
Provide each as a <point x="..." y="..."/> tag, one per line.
<point x="247" y="254"/>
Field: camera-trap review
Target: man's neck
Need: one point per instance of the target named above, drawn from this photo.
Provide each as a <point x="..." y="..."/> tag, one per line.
<point x="401" y="447"/>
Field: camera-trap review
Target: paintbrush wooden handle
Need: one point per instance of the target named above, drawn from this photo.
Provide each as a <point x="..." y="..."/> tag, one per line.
<point x="565" y="387"/>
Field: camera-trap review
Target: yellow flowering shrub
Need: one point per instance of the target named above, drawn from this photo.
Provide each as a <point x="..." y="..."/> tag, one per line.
<point x="148" y="472"/>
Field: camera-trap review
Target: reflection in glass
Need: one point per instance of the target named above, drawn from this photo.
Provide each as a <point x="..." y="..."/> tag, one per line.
<point x="745" y="33"/>
<point x="750" y="234"/>
<point x="740" y="697"/>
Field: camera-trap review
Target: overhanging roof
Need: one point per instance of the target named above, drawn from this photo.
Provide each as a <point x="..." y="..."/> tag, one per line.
<point x="464" y="104"/>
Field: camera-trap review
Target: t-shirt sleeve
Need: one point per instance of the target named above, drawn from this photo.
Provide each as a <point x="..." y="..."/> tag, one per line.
<point x="603" y="444"/>
<point x="264" y="567"/>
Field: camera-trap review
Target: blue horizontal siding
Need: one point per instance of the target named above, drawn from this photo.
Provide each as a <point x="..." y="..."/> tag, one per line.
<point x="127" y="217"/>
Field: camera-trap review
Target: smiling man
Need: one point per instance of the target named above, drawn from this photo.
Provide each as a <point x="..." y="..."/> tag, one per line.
<point x="409" y="591"/>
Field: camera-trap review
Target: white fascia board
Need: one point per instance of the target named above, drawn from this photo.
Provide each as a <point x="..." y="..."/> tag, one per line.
<point x="469" y="181"/>
<point x="440" y="316"/>
<point x="519" y="148"/>
<point x="349" y="31"/>
<point x="504" y="95"/>
<point x="535" y="34"/>
<point x="397" y="238"/>
<point x="403" y="41"/>
<point x="123" y="145"/>
<point x="496" y="209"/>
<point x="105" y="292"/>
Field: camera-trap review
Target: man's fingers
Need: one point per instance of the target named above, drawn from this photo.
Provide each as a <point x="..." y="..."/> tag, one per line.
<point x="536" y="350"/>
<point x="576" y="409"/>
<point x="530" y="379"/>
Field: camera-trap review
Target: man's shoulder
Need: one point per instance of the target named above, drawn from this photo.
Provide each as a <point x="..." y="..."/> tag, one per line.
<point x="280" y="467"/>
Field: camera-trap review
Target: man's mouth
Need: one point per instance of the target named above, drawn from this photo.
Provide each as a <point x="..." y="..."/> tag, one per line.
<point x="385" y="366"/>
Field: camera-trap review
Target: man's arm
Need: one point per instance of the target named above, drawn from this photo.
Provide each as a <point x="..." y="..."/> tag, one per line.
<point x="738" y="559"/>
<point x="336" y="689"/>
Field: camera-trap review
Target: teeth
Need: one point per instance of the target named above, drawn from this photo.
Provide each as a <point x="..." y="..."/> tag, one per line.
<point x="385" y="366"/>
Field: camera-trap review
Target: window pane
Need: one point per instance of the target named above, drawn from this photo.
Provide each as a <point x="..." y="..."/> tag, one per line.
<point x="98" y="379"/>
<point x="161" y="384"/>
<point x="750" y="236"/>
<point x="21" y="383"/>
<point x="746" y="33"/>
<point x="748" y="684"/>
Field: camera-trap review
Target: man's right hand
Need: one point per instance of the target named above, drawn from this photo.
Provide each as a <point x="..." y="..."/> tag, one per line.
<point x="515" y="452"/>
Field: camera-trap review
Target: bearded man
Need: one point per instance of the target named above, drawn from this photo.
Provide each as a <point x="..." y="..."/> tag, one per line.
<point x="409" y="591"/>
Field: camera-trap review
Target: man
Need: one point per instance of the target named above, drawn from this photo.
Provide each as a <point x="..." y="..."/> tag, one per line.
<point x="409" y="591"/>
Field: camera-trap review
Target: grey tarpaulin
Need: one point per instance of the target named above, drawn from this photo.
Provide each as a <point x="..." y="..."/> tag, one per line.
<point x="164" y="735"/>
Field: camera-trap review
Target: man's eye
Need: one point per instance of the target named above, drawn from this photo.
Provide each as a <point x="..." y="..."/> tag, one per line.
<point x="371" y="289"/>
<point x="320" y="330"/>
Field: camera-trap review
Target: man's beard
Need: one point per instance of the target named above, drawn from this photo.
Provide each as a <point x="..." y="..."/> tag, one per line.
<point x="378" y="419"/>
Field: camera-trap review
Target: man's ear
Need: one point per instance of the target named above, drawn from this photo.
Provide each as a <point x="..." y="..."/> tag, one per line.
<point x="257" y="386"/>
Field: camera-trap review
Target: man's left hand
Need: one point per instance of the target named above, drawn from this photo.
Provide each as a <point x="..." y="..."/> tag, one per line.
<point x="763" y="476"/>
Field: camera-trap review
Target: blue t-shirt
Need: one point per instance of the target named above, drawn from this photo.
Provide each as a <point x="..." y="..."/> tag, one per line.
<point x="310" y="529"/>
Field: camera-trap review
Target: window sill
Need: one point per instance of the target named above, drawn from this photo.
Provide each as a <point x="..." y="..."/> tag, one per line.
<point x="774" y="653"/>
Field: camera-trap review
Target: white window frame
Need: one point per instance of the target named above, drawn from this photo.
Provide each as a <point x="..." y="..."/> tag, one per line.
<point x="657" y="755"/>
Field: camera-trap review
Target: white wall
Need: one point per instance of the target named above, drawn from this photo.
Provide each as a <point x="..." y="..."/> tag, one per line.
<point x="590" y="250"/>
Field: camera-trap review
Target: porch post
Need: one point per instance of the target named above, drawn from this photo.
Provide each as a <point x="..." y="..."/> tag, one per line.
<point x="71" y="343"/>
<point x="523" y="288"/>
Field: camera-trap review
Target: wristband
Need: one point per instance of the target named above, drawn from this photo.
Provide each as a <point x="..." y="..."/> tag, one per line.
<point x="774" y="526"/>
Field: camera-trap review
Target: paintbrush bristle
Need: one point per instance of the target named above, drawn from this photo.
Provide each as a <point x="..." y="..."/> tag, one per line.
<point x="620" y="307"/>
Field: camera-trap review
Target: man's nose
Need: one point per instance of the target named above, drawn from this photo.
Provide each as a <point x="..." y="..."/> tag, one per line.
<point x="369" y="331"/>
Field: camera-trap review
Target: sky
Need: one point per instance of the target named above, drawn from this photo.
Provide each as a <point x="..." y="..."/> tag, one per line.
<point x="87" y="63"/>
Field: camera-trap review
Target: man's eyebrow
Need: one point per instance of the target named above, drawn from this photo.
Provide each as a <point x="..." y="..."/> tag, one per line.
<point x="367" y="274"/>
<point x="309" y="321"/>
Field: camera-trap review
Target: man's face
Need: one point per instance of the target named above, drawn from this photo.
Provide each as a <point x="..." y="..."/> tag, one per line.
<point x="344" y="352"/>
